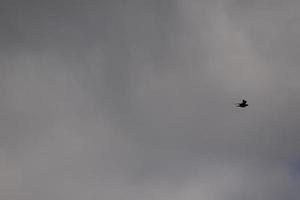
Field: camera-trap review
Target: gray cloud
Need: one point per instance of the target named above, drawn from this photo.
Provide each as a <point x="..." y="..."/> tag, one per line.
<point x="135" y="100"/>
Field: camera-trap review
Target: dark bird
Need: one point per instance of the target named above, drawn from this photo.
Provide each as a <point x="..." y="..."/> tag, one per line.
<point x="243" y="104"/>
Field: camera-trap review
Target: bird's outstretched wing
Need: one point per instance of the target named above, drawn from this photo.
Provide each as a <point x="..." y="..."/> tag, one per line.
<point x="238" y="104"/>
<point x="243" y="104"/>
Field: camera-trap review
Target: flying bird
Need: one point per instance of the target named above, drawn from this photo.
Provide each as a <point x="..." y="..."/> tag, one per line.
<point x="243" y="104"/>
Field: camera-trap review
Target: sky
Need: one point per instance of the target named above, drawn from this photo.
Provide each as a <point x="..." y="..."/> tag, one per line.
<point x="135" y="99"/>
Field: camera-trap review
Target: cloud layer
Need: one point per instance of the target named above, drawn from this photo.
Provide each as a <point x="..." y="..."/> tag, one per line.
<point x="135" y="100"/>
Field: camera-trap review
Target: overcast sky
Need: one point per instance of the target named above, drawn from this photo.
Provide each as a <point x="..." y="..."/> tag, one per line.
<point x="135" y="100"/>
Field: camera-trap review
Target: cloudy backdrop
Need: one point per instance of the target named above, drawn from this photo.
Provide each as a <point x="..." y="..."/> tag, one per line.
<point x="134" y="100"/>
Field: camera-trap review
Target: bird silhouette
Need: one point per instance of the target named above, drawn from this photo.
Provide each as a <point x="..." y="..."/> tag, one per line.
<point x="243" y="104"/>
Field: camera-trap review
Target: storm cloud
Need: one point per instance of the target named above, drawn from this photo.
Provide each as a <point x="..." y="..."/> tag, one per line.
<point x="136" y="100"/>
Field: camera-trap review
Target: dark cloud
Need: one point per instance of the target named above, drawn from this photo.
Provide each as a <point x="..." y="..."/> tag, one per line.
<point x="135" y="100"/>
